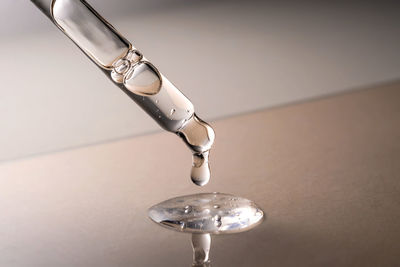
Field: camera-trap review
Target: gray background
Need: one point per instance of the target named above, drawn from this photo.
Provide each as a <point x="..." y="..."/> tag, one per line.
<point x="228" y="57"/>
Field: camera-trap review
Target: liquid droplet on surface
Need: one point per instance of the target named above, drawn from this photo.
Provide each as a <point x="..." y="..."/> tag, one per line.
<point x="206" y="211"/>
<point x="227" y="219"/>
<point x="188" y="209"/>
<point x="143" y="79"/>
<point x="172" y="112"/>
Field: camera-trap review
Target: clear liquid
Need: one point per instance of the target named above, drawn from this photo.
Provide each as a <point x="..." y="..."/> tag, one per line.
<point x="143" y="79"/>
<point x="168" y="106"/>
<point x="137" y="77"/>
<point x="201" y="244"/>
<point x="96" y="37"/>
<point x="200" y="173"/>
<point x="199" y="136"/>
<point x="207" y="213"/>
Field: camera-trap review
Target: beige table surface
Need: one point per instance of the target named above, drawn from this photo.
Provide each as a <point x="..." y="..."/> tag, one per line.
<point x="327" y="173"/>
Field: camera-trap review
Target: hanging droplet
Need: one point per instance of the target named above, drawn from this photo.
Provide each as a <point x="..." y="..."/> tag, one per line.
<point x="200" y="173"/>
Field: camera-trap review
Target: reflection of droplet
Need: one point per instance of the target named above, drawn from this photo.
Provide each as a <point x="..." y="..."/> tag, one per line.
<point x="216" y="206"/>
<point x="157" y="101"/>
<point x="201" y="244"/>
<point x="172" y="112"/>
<point x="182" y="225"/>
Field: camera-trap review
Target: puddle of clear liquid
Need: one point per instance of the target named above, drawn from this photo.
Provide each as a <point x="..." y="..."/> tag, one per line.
<point x="213" y="213"/>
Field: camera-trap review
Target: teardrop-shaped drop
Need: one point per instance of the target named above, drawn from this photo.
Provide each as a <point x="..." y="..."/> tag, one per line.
<point x="143" y="79"/>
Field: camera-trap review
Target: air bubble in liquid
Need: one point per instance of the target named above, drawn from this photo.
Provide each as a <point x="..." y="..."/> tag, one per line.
<point x="217" y="220"/>
<point x="188" y="209"/>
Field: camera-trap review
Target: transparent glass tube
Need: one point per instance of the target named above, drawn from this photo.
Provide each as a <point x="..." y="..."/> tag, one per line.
<point x="115" y="55"/>
<point x="135" y="75"/>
